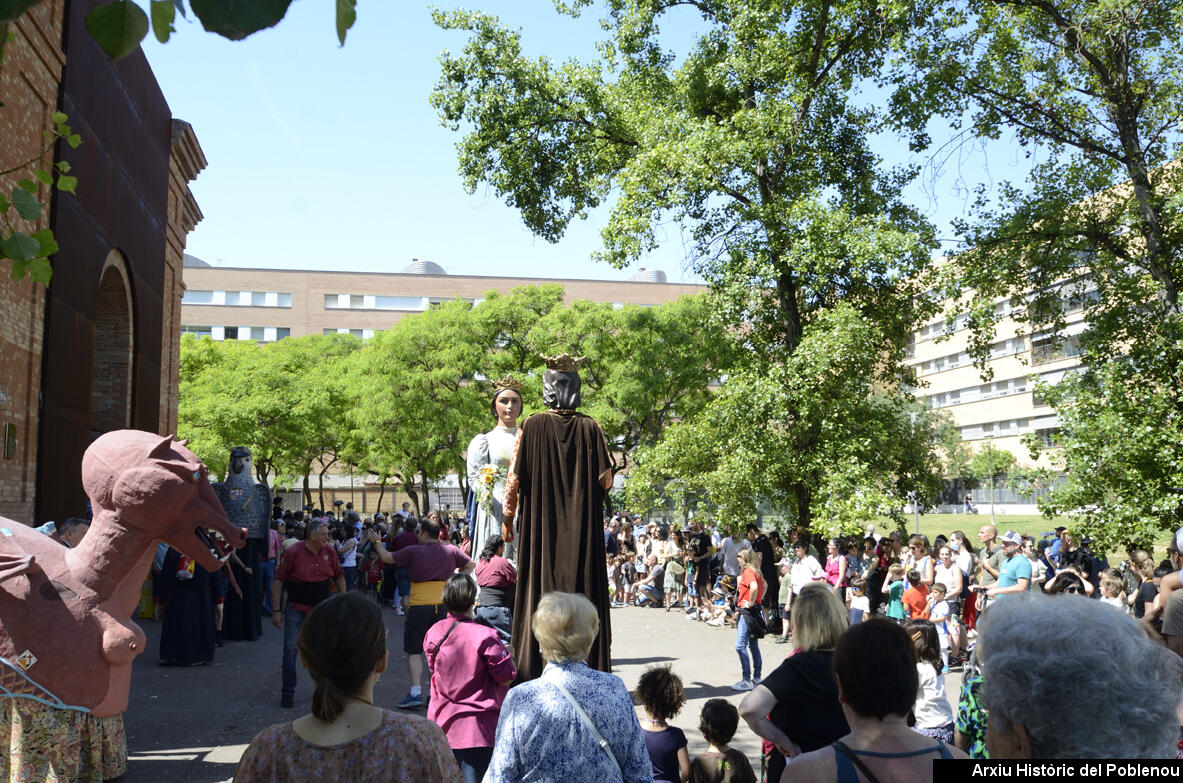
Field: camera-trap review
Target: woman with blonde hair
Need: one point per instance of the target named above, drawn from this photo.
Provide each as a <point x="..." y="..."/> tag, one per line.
<point x="343" y="646"/>
<point x="874" y="664"/>
<point x="749" y="625"/>
<point x="573" y="723"/>
<point x="1142" y="599"/>
<point x="920" y="558"/>
<point x="774" y="709"/>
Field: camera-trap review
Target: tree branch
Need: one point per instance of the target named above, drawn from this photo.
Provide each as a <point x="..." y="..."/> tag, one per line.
<point x="1057" y="133"/>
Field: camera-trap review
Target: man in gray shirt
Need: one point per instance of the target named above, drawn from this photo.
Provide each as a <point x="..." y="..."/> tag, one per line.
<point x="990" y="554"/>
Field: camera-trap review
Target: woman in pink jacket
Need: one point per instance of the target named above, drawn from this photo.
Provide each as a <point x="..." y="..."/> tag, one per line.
<point x="470" y="674"/>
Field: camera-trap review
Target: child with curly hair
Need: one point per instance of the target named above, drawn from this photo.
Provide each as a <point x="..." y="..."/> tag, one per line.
<point x="660" y="693"/>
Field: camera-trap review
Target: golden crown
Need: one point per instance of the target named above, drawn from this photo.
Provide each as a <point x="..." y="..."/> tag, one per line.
<point x="564" y="362"/>
<point x="508" y="382"/>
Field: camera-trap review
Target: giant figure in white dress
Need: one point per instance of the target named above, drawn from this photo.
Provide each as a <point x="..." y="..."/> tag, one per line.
<point x="489" y="455"/>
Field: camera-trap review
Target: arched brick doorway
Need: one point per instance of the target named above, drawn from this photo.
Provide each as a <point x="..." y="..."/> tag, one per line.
<point x="110" y="388"/>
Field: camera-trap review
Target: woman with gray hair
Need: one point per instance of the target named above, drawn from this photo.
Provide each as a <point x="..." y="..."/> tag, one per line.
<point x="573" y="723"/>
<point x="1033" y="664"/>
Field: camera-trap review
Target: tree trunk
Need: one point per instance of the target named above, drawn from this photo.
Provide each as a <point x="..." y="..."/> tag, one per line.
<point x="993" y="484"/>
<point x="307" y="488"/>
<point x="426" y="493"/>
<point x="381" y="492"/>
<point x="324" y="468"/>
<point x="804" y="512"/>
<point x="409" y="487"/>
<point x="786" y="296"/>
<point x="262" y="470"/>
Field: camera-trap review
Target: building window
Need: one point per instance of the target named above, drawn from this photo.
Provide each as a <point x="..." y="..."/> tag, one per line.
<point x="273" y="333"/>
<point x="364" y="334"/>
<point x="450" y="496"/>
<point x="238" y="298"/>
<point x="262" y="334"/>
<point x="197" y="297"/>
<point x="995" y="429"/>
<point x="1050" y="349"/>
<point x="1007" y="347"/>
<point x="986" y="391"/>
<point x="1050" y="438"/>
<point x="197" y="331"/>
<point x="398" y="302"/>
<point x="375" y="302"/>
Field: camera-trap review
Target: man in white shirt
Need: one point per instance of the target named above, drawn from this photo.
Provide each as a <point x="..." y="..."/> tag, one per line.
<point x="639" y="529"/>
<point x="730" y="548"/>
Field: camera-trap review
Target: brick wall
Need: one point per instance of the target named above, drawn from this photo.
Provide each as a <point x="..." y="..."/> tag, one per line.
<point x="185" y="162"/>
<point x="110" y="385"/>
<point x="29" y="79"/>
<point x="121" y="204"/>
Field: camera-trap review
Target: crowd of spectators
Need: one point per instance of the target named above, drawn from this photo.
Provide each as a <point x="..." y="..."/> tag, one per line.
<point x="874" y="625"/>
<point x="937" y="591"/>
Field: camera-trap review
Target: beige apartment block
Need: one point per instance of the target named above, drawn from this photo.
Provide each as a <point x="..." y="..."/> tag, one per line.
<point x="269" y="304"/>
<point x="1004" y="409"/>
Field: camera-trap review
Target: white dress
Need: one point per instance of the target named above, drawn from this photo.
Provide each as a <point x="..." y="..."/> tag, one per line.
<point x="492" y="447"/>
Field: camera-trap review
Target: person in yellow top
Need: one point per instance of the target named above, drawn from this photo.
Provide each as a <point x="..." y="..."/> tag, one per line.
<point x="429" y="564"/>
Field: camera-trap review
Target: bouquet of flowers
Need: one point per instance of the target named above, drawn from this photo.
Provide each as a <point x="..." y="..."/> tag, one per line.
<point x="488" y="477"/>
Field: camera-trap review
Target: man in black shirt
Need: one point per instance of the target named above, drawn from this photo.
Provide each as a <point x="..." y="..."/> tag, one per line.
<point x="701" y="550"/>
<point x="763" y="547"/>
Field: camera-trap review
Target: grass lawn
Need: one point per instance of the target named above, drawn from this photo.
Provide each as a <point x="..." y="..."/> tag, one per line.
<point x="1033" y="525"/>
<point x="933" y="525"/>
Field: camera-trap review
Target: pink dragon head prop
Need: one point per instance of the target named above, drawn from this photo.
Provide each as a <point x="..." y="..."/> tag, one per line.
<point x="64" y="633"/>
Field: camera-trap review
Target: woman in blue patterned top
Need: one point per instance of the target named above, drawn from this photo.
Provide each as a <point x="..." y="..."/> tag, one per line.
<point x="542" y="735"/>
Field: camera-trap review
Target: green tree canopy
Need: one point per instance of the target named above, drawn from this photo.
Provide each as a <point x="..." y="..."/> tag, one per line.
<point x="283" y="400"/>
<point x="414" y="402"/>
<point x="752" y="143"/>
<point x="421" y="389"/>
<point x="1092" y="92"/>
<point x="649" y="366"/>
<point x="813" y="432"/>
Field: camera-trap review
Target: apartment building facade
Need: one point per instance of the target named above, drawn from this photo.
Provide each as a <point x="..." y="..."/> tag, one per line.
<point x="266" y="305"/>
<point x="96" y="350"/>
<point x="1003" y="410"/>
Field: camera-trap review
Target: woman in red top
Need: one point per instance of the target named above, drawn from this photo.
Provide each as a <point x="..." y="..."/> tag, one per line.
<point x="749" y="594"/>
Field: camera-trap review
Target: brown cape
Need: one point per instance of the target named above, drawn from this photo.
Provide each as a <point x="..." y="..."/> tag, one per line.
<point x="559" y="461"/>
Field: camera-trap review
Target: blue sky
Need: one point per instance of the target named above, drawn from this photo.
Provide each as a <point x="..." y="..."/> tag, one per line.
<point x="328" y="157"/>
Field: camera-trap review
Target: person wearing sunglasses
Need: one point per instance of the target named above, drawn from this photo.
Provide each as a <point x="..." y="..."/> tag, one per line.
<point x="1066" y="583"/>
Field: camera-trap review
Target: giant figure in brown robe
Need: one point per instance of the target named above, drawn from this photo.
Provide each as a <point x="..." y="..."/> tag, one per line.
<point x="560" y="472"/>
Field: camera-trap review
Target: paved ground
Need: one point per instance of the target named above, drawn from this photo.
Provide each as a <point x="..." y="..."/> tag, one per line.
<point x="192" y="724"/>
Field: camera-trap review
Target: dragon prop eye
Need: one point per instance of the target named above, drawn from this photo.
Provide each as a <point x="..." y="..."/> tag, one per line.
<point x="197" y="475"/>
